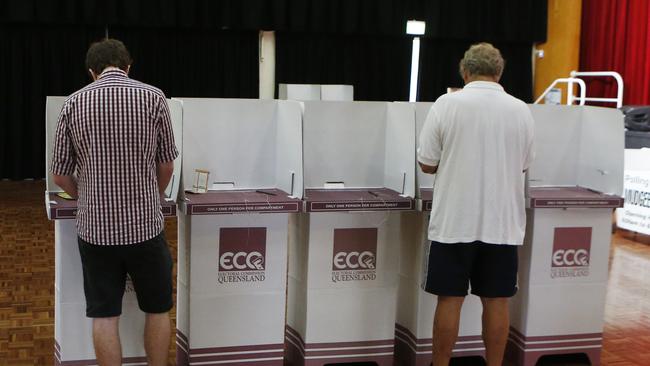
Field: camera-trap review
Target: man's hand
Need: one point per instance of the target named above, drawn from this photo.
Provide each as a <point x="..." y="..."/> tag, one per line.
<point x="428" y="169"/>
<point x="67" y="183"/>
<point x="164" y="172"/>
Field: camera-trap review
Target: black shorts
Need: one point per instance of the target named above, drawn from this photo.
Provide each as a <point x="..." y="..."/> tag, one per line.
<point x="491" y="269"/>
<point x="105" y="268"/>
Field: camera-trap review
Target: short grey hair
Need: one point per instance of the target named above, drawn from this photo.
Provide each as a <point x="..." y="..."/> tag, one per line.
<point x="482" y="59"/>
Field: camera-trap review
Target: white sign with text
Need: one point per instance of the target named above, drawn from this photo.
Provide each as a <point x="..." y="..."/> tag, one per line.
<point x="635" y="214"/>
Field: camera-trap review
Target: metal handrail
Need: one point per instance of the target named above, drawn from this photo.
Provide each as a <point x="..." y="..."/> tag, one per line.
<point x="570" y="97"/>
<point x="619" y="83"/>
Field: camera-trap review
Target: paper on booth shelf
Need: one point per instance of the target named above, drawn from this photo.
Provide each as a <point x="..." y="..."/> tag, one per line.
<point x="222" y="186"/>
<point x="334" y="185"/>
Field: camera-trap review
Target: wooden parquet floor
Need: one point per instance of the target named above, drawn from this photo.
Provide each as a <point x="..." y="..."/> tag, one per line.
<point x="27" y="287"/>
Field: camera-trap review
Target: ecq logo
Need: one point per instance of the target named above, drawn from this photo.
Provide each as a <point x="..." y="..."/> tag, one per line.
<point x="355" y="249"/>
<point x="571" y="247"/>
<point x="242" y="249"/>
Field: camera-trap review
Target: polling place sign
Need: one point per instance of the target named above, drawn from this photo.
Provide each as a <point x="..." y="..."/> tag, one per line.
<point x="635" y="214"/>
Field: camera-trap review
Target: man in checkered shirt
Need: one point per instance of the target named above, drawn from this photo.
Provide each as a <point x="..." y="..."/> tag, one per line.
<point x="114" y="151"/>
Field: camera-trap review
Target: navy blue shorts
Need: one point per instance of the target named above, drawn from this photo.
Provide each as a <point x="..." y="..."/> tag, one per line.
<point x="490" y="269"/>
<point x="105" y="267"/>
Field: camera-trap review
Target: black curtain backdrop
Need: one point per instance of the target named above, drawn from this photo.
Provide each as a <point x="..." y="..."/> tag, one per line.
<point x="36" y="62"/>
<point x="439" y="68"/>
<point x="377" y="66"/>
<point x="49" y="60"/>
<point x="505" y="20"/>
<point x="194" y="62"/>
<point x="209" y="48"/>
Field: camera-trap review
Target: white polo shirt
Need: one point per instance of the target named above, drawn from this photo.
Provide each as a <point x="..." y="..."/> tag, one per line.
<point x="481" y="139"/>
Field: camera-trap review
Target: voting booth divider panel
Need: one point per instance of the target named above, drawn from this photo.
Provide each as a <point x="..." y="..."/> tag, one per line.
<point x="563" y="264"/>
<point x="72" y="329"/>
<point x="233" y="239"/>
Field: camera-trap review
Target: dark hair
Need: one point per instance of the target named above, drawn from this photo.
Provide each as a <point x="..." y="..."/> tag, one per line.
<point x="106" y="53"/>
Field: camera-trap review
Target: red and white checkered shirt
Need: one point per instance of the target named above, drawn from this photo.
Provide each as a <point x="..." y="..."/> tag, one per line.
<point x="112" y="133"/>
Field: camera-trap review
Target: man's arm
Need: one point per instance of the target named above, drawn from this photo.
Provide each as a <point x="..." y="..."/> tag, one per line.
<point x="166" y="151"/>
<point x="430" y="144"/>
<point x="428" y="169"/>
<point x="64" y="157"/>
<point x="164" y="172"/>
<point x="67" y="183"/>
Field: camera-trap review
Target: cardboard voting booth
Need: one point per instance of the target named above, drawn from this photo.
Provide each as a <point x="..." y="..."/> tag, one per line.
<point x="232" y="244"/>
<point x="72" y="330"/>
<point x="415" y="307"/>
<point x="575" y="183"/>
<point x="359" y="174"/>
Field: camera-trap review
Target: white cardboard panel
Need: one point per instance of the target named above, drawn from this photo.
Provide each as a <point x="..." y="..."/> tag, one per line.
<point x="413" y="235"/>
<point x="578" y="145"/>
<point x="545" y="222"/>
<point x="342" y="93"/>
<point x="399" y="169"/>
<point x="335" y="315"/>
<point x="421" y="112"/>
<point x="264" y="135"/>
<point x="298" y="239"/>
<point x="205" y="253"/>
<point x="407" y="314"/>
<point x="299" y="92"/>
<point x="344" y="141"/>
<point x="183" y="274"/>
<point x="297" y="304"/>
<point x="321" y="249"/>
<point x="235" y="320"/>
<point x="558" y="132"/>
<point x="289" y="148"/>
<point x="176" y="112"/>
<point x="234" y="139"/>
<point x="247" y="313"/>
<point x="563" y="310"/>
<point x="602" y="148"/>
<point x="297" y="271"/>
<point x="53" y="106"/>
<point x="68" y="279"/>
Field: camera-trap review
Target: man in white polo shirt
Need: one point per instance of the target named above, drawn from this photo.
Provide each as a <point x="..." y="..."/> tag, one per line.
<point x="479" y="142"/>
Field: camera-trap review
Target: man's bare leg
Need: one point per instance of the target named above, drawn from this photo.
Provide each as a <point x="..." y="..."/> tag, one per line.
<point x="106" y="339"/>
<point x="496" y="325"/>
<point x="445" y="328"/>
<point x="157" y="331"/>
